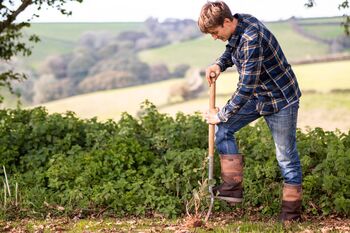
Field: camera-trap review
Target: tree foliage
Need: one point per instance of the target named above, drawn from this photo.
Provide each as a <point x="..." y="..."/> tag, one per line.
<point x="12" y="41"/>
<point x="343" y="4"/>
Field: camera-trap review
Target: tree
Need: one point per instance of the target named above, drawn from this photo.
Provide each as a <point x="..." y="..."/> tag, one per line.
<point x="12" y="41"/>
<point x="344" y="4"/>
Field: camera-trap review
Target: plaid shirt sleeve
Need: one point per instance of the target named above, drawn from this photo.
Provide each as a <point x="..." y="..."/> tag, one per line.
<point x="225" y="60"/>
<point x="251" y="55"/>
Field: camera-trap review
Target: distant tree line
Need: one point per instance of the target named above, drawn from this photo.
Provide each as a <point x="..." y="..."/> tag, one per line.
<point x="12" y="41"/>
<point x="103" y="60"/>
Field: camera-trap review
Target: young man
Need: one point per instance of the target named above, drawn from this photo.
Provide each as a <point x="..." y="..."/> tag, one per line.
<point x="267" y="87"/>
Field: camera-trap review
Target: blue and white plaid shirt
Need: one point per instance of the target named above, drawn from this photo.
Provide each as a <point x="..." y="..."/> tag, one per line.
<point x="264" y="72"/>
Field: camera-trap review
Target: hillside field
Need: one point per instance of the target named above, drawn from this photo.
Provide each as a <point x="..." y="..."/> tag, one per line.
<point x="320" y="108"/>
<point x="61" y="38"/>
<point x="205" y="50"/>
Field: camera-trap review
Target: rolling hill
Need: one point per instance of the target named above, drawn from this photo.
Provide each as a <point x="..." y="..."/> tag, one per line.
<point x="315" y="78"/>
<point x="60" y="38"/>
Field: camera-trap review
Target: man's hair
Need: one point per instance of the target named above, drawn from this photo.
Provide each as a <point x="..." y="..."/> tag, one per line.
<point x="213" y="15"/>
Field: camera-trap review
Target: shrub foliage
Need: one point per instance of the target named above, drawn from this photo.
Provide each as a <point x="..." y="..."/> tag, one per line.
<point x="151" y="164"/>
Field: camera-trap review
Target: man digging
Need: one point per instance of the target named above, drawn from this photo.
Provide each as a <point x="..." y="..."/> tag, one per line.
<point x="267" y="88"/>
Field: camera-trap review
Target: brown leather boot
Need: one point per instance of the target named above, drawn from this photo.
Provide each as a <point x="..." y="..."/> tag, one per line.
<point x="291" y="203"/>
<point x="232" y="177"/>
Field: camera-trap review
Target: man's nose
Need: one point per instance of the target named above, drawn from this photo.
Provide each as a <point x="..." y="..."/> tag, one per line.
<point x="214" y="36"/>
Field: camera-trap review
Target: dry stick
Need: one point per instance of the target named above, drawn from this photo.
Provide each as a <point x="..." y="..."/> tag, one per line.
<point x="7" y="183"/>
<point x="16" y="193"/>
<point x="4" y="195"/>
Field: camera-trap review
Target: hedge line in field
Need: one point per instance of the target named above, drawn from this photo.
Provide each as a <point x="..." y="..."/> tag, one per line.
<point x="151" y="164"/>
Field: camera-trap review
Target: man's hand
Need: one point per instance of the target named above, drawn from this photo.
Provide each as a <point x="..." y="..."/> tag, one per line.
<point x="211" y="116"/>
<point x="212" y="73"/>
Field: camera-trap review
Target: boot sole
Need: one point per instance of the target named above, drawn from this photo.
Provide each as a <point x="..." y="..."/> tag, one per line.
<point x="231" y="200"/>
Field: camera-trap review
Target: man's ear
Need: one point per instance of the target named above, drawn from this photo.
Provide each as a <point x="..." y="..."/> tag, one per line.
<point x="227" y="20"/>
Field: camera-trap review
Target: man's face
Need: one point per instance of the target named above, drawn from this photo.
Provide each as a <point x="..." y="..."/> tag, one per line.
<point x="223" y="32"/>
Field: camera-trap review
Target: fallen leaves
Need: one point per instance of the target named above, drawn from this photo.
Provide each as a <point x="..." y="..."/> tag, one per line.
<point x="218" y="221"/>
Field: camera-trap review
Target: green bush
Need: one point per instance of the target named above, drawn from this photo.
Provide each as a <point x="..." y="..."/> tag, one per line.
<point x="151" y="164"/>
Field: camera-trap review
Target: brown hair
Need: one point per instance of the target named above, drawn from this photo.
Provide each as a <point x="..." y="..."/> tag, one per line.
<point x="213" y="15"/>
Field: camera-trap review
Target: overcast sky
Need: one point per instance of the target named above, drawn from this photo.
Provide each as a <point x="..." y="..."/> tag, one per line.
<point x="139" y="10"/>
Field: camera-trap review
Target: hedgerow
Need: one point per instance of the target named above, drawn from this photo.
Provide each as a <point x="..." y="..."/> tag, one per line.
<point x="64" y="165"/>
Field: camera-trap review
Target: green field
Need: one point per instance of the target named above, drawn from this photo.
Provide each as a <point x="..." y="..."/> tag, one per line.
<point x="204" y="51"/>
<point x="294" y="45"/>
<point x="322" y="20"/>
<point x="72" y="31"/>
<point x="325" y="31"/>
<point x="320" y="28"/>
<point x="196" y="53"/>
<point x="60" y="38"/>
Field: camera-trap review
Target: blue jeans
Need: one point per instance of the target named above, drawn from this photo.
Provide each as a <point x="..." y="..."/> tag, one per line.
<point x="283" y="128"/>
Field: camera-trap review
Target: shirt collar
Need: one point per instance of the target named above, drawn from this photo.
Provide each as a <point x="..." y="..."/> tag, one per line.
<point x="235" y="37"/>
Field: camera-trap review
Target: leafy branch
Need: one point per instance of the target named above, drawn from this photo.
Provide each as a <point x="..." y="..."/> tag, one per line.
<point x="343" y="5"/>
<point x="11" y="36"/>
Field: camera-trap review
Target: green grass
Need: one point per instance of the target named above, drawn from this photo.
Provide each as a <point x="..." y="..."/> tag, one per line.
<point x="294" y="45"/>
<point x="325" y="31"/>
<point x="322" y="20"/>
<point x="197" y="53"/>
<point x="72" y="31"/>
<point x="47" y="47"/>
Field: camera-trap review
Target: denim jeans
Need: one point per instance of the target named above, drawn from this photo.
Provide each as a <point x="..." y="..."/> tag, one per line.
<point x="283" y="128"/>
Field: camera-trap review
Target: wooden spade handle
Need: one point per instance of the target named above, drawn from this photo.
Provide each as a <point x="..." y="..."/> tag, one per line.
<point x="211" y="126"/>
<point x="211" y="135"/>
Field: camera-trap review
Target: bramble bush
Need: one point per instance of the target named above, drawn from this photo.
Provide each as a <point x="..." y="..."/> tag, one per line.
<point x="64" y="165"/>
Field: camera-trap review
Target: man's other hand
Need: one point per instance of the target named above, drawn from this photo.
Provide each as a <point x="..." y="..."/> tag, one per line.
<point x="211" y="116"/>
<point x="212" y="73"/>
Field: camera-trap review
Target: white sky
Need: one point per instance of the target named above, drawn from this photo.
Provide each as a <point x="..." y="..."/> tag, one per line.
<point x="139" y="10"/>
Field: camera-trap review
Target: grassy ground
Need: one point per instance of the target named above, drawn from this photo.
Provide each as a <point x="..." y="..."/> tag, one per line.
<point x="217" y="223"/>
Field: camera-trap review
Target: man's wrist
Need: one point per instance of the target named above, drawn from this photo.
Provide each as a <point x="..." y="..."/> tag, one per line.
<point x="220" y="117"/>
<point x="220" y="64"/>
